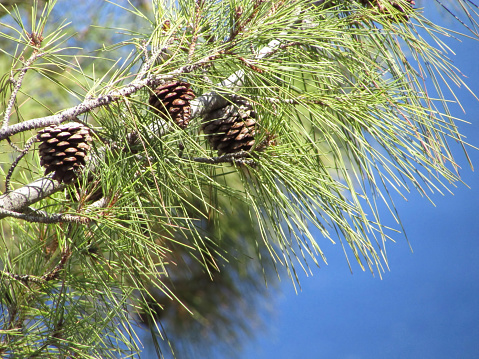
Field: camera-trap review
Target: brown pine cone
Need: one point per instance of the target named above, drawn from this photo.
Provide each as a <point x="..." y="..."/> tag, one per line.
<point x="377" y="4"/>
<point x="172" y="100"/>
<point x="64" y="149"/>
<point x="233" y="128"/>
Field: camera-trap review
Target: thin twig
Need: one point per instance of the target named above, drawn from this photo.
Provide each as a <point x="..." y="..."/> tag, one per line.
<point x="22" y="278"/>
<point x="249" y="64"/>
<point x="14" y="146"/>
<point x="103" y="100"/>
<point x="18" y="84"/>
<point x="241" y="157"/>
<point x="295" y="101"/>
<point x="53" y="274"/>
<point x="44" y="217"/>
<point x="281" y="47"/>
<point x="27" y="147"/>
<point x="194" y="39"/>
<point x="148" y="64"/>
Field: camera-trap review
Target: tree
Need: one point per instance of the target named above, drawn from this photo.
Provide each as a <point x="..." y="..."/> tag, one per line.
<point x="219" y="134"/>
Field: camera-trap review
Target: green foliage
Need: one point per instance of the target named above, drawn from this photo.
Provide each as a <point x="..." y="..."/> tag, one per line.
<point x="167" y="234"/>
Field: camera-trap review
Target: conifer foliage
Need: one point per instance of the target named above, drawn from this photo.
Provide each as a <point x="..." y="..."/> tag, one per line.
<point x="157" y="173"/>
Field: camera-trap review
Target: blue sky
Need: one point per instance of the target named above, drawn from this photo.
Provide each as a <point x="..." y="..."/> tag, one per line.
<point x="427" y="305"/>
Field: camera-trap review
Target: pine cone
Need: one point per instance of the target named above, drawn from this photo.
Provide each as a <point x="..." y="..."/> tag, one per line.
<point x="381" y="8"/>
<point x="172" y="100"/>
<point x="64" y="149"/>
<point x="231" y="129"/>
<point x="411" y="3"/>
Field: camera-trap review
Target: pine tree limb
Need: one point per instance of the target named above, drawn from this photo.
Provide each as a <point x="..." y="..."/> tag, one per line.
<point x="25" y="150"/>
<point x="18" y="199"/>
<point x="90" y="104"/>
<point x="23" y="197"/>
<point x="39" y="216"/>
<point x="51" y="275"/>
<point x="17" y="85"/>
<point x="241" y="157"/>
<point x="22" y="278"/>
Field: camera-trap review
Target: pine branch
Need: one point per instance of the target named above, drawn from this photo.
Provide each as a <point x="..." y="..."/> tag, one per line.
<point x="23" y="278"/>
<point x="16" y="200"/>
<point x="23" y="197"/>
<point x="241" y="157"/>
<point x="44" y="217"/>
<point x="17" y="85"/>
<point x="51" y="275"/>
<point x="25" y="150"/>
<point x="102" y="100"/>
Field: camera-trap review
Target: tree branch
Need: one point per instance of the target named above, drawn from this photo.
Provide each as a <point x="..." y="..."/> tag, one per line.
<point x="25" y="150"/>
<point x="51" y="275"/>
<point x="18" y="84"/>
<point x="39" y="216"/>
<point x="23" y="197"/>
<point x="102" y="100"/>
<point x="238" y="157"/>
<point x="22" y="278"/>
